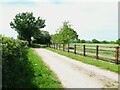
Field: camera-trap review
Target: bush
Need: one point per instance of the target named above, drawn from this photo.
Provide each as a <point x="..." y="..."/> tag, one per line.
<point x="12" y="55"/>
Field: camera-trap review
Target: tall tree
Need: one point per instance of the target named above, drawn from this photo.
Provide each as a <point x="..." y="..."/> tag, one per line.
<point x="55" y="38"/>
<point x="66" y="33"/>
<point x="27" y="25"/>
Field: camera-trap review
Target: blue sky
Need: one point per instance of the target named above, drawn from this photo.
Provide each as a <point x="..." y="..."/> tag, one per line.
<point x="90" y="19"/>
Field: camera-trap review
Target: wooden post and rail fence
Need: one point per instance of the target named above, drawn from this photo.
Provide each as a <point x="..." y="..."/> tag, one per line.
<point x="84" y="50"/>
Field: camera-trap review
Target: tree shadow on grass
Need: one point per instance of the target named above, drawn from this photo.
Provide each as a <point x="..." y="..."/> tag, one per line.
<point x="19" y="73"/>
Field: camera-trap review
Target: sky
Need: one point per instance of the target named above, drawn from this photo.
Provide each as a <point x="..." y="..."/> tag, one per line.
<point x="89" y="18"/>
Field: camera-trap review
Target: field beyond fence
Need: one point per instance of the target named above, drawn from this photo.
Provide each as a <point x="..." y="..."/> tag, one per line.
<point x="106" y="53"/>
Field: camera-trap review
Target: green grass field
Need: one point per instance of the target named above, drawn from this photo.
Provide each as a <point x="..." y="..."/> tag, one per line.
<point x="99" y="63"/>
<point x="107" y="51"/>
<point x="94" y="44"/>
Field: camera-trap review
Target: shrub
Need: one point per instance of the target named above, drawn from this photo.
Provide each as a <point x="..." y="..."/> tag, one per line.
<point x="12" y="55"/>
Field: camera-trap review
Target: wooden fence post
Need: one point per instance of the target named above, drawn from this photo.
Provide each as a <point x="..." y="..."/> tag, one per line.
<point x="75" y="48"/>
<point x="117" y="55"/>
<point x="68" y="47"/>
<point x="83" y="50"/>
<point x="97" y="51"/>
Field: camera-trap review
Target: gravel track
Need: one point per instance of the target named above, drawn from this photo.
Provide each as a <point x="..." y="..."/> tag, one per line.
<point x="75" y="74"/>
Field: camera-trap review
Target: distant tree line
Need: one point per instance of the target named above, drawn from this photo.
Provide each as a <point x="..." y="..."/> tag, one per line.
<point x="29" y="28"/>
<point x="97" y="41"/>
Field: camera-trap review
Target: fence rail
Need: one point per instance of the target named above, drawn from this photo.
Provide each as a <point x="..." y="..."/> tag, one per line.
<point x="106" y="53"/>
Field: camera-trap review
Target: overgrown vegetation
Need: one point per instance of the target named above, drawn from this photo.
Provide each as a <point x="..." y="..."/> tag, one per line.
<point x="12" y="58"/>
<point x="22" y="68"/>
<point x="88" y="60"/>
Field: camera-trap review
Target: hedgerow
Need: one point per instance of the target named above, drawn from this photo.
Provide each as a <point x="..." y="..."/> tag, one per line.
<point x="12" y="55"/>
<point x="23" y="68"/>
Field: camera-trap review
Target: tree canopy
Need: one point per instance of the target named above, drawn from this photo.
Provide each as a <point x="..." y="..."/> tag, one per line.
<point x="82" y="41"/>
<point x="42" y="38"/>
<point x="27" y="25"/>
<point x="95" y="41"/>
<point x="55" y="38"/>
<point x="118" y="41"/>
<point x="65" y="34"/>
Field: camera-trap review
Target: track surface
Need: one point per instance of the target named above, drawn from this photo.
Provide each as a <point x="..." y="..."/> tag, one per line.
<point x="75" y="74"/>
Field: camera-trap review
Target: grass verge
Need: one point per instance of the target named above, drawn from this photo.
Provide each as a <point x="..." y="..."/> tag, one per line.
<point x="43" y="77"/>
<point x="99" y="63"/>
<point x="29" y="72"/>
